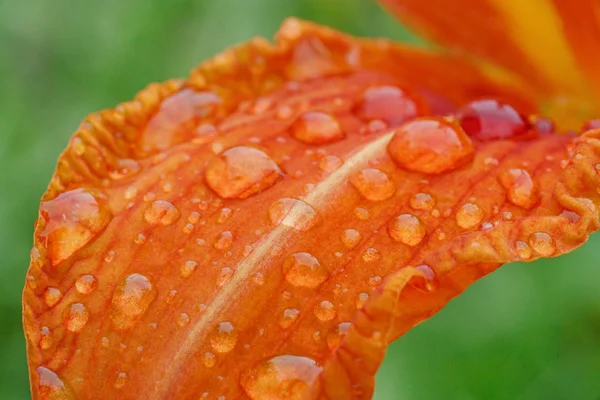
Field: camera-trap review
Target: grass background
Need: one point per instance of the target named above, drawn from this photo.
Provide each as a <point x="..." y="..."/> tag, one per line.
<point x="529" y="331"/>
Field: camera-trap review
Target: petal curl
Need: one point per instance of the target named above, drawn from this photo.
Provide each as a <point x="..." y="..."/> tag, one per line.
<point x="320" y="251"/>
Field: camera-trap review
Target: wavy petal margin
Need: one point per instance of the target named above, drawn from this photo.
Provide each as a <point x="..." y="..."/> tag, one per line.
<point x="245" y="234"/>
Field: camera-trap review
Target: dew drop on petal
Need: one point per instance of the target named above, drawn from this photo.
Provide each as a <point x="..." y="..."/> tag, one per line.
<point x="131" y="298"/>
<point x="542" y="243"/>
<point x="371" y="255"/>
<point x="351" y="238"/>
<point x="362" y="213"/>
<point x="490" y="119"/>
<point x="430" y="145"/>
<point x="224" y="215"/>
<point x="293" y="213"/>
<point x="241" y="171"/>
<point x="77" y="317"/>
<point x="224" y="337"/>
<point x="224" y="240"/>
<point x="521" y="189"/>
<point x="183" y="320"/>
<point x="390" y="104"/>
<point x="330" y="163"/>
<point x="523" y="250"/>
<point x="51" y="387"/>
<point x="285" y="377"/>
<point x="289" y="316"/>
<point x="325" y="311"/>
<point x="209" y="359"/>
<point x="187" y="268"/>
<point x="52" y="296"/>
<point x="317" y="128"/>
<point x="590" y="124"/>
<point x="361" y="299"/>
<point x="469" y="215"/>
<point x="225" y="274"/>
<point x="46" y="339"/>
<point x="86" y="284"/>
<point x="407" y="229"/>
<point x="373" y="184"/>
<point x="121" y="380"/>
<point x="161" y="212"/>
<point x="335" y="337"/>
<point x="422" y="201"/>
<point x="71" y="220"/>
<point x="304" y="270"/>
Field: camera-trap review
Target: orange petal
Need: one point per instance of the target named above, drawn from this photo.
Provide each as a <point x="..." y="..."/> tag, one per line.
<point x="210" y="238"/>
<point x="524" y="37"/>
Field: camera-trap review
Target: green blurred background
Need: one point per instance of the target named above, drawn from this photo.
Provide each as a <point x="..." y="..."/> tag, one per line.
<point x="529" y="331"/>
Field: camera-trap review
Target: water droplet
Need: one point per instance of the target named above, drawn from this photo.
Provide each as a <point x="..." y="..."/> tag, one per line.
<point x="304" y="270"/>
<point x="422" y="201"/>
<point x="241" y="172"/>
<point x="52" y="296"/>
<point x="51" y="387"/>
<point x="523" y="250"/>
<point x="289" y="316"/>
<point x="361" y="299"/>
<point x="187" y="268"/>
<point x="374" y="281"/>
<point x="469" y="215"/>
<point x="317" y="128"/>
<point x="224" y="338"/>
<point x="72" y="220"/>
<point x="183" y="320"/>
<point x="325" y="311"/>
<point x="335" y="337"/>
<point x="140" y="238"/>
<point x="224" y="240"/>
<point x="205" y="133"/>
<point x="330" y="163"/>
<point x="521" y="189"/>
<point x="490" y="119"/>
<point x="209" y="359"/>
<point x="293" y="213"/>
<point x="45" y="338"/>
<point x="161" y="212"/>
<point x="542" y="243"/>
<point x="121" y="380"/>
<point x="591" y="124"/>
<point x="362" y="213"/>
<point x="371" y="255"/>
<point x="374" y="184"/>
<point x="225" y="274"/>
<point x="86" y="284"/>
<point x="430" y="145"/>
<point x="130" y="193"/>
<point x="131" y="298"/>
<point x="194" y="217"/>
<point x="77" y="317"/>
<point x="104" y="341"/>
<point x="407" y="229"/>
<point x="284" y="377"/>
<point x="259" y="278"/>
<point x="351" y="238"/>
<point x="224" y="215"/>
<point x="390" y="104"/>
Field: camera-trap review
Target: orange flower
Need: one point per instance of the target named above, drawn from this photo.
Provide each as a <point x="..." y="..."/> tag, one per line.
<point x="265" y="228"/>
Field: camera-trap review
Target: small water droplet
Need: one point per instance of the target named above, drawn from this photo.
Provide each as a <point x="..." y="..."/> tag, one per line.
<point x="374" y="184"/>
<point x="335" y="337"/>
<point x="86" y="284"/>
<point x="130" y="193"/>
<point x="51" y="387"/>
<point x="325" y="311"/>
<point x="121" y="380"/>
<point x="140" y="238"/>
<point x="469" y="215"/>
<point x="361" y="299"/>
<point x="422" y="201"/>
<point x="209" y="359"/>
<point x="224" y="240"/>
<point x="293" y="213"/>
<point x="542" y="243"/>
<point x="52" y="296"/>
<point x="187" y="268"/>
<point x="371" y="255"/>
<point x="407" y="229"/>
<point x="183" y="320"/>
<point x="242" y="171"/>
<point x="161" y="212"/>
<point x="351" y="238"/>
<point x="289" y="316"/>
<point x="523" y="250"/>
<point x="374" y="281"/>
<point x="77" y="317"/>
<point x="131" y="298"/>
<point x="317" y="128"/>
<point x="490" y="119"/>
<point x="430" y="145"/>
<point x="224" y="215"/>
<point x="225" y="274"/>
<point x="330" y="163"/>
<point x="390" y="104"/>
<point x="46" y="339"/>
<point x="590" y="124"/>
<point x="259" y="278"/>
<point x="304" y="270"/>
<point x="362" y="213"/>
<point x="224" y="337"/>
<point x="521" y="189"/>
<point x="104" y="341"/>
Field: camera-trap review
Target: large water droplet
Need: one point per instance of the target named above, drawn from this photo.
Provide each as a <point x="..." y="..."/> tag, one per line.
<point x="51" y="387"/>
<point x="224" y="337"/>
<point x="86" y="284"/>
<point x="390" y="104"/>
<point x="77" y="317"/>
<point x="407" y="229"/>
<point x="241" y="171"/>
<point x="521" y="189"/>
<point x="304" y="270"/>
<point x="131" y="298"/>
<point x="491" y="119"/>
<point x="71" y="220"/>
<point x="283" y="377"/>
<point x="325" y="311"/>
<point x="469" y="215"/>
<point x="293" y="213"/>
<point x="542" y="243"/>
<point x="161" y="212"/>
<point x="430" y="145"/>
<point x="374" y="184"/>
<point x="317" y="128"/>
